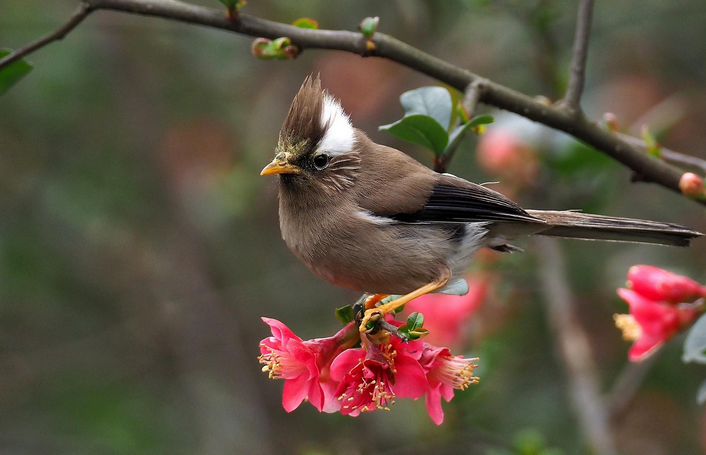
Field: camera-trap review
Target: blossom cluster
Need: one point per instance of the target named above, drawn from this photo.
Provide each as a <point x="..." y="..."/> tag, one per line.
<point x="335" y="376"/>
<point x="662" y="304"/>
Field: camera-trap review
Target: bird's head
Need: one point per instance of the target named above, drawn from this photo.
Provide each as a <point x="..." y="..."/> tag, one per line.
<point x="317" y="143"/>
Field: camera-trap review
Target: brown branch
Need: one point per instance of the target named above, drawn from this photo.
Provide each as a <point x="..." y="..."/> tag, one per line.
<point x="669" y="155"/>
<point x="76" y="18"/>
<point x="557" y="117"/>
<point x="574" y="349"/>
<point x="577" y="77"/>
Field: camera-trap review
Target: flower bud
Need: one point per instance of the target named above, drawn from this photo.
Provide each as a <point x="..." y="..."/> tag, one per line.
<point x="611" y="121"/>
<point x="691" y="185"/>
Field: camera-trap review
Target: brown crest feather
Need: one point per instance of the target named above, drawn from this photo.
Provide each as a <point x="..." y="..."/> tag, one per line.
<point x="303" y="122"/>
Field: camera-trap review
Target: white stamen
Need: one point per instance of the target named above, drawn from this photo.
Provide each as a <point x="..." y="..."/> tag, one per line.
<point x="339" y="137"/>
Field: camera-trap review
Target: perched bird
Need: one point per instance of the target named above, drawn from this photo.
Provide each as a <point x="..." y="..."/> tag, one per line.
<point x="372" y="219"/>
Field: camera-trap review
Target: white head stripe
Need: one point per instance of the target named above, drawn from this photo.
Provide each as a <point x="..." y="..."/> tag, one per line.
<point x="339" y="137"/>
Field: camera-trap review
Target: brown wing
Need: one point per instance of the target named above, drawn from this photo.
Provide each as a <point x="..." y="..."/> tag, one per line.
<point x="395" y="185"/>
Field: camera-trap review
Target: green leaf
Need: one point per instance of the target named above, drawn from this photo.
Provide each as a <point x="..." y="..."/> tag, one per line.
<point x="695" y="343"/>
<point x="653" y="147"/>
<point x="422" y="130"/>
<point x="12" y="73"/>
<point x="279" y="49"/>
<point x="456" y="135"/>
<point x="368" y="26"/>
<point x="415" y="320"/>
<point x="306" y="22"/>
<point x="418" y="333"/>
<point x="345" y="314"/>
<point x="432" y="101"/>
<point x="404" y="331"/>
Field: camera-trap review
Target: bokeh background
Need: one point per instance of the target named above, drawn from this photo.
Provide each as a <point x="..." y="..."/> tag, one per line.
<point x="139" y="247"/>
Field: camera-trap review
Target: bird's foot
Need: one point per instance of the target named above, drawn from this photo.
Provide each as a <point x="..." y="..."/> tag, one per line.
<point x="373" y="316"/>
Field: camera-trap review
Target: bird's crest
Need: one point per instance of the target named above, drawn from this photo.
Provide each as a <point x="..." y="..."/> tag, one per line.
<point x="316" y="120"/>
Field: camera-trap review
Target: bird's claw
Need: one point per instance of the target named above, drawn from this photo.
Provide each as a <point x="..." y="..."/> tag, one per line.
<point x="370" y="320"/>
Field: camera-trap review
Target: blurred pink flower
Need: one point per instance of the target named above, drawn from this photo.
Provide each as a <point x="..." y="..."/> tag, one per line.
<point x="663" y="286"/>
<point x="650" y="323"/>
<point x="373" y="377"/>
<point x="446" y="316"/>
<point x="444" y="374"/>
<point x="504" y="153"/>
<point x="304" y="365"/>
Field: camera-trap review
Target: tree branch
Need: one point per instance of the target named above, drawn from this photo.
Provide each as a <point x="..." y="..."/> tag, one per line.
<point x="557" y="117"/>
<point x="79" y="15"/>
<point x="574" y="349"/>
<point x="669" y="155"/>
<point x="572" y="99"/>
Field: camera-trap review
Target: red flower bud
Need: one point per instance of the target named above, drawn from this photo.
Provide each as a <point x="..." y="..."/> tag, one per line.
<point x="663" y="286"/>
<point x="691" y="185"/>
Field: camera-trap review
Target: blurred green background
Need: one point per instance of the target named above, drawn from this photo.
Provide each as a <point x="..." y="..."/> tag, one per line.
<point x="139" y="246"/>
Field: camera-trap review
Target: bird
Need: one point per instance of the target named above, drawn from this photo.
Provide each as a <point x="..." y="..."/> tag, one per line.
<point x="372" y="219"/>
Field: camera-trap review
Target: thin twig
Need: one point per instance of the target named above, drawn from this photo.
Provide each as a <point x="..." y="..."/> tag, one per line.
<point x="76" y="18"/>
<point x="577" y="77"/>
<point x="471" y="97"/>
<point x="666" y="154"/>
<point x="557" y="117"/>
<point x="574" y="349"/>
<point x="627" y="385"/>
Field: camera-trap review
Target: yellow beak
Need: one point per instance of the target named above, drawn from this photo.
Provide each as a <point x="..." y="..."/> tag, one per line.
<point x="280" y="165"/>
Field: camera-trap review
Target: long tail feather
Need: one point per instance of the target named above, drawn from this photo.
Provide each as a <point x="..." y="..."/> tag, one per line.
<point x="598" y="227"/>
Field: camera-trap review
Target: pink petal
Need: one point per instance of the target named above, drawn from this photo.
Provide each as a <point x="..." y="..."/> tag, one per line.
<point x="643" y="348"/>
<point x="656" y="319"/>
<point x="295" y="390"/>
<point x="279" y="330"/>
<point x="433" y="403"/>
<point x="410" y="379"/>
<point x="447" y="392"/>
<point x="316" y="395"/>
<point x="303" y="355"/>
<point x="662" y="285"/>
<point x="345" y="361"/>
<point x="331" y="403"/>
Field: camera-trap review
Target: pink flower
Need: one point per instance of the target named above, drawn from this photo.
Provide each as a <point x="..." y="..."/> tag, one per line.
<point x="446" y="316"/>
<point x="505" y="153"/>
<point x="373" y="377"/>
<point x="304" y="365"/>
<point x="445" y="373"/>
<point x="650" y="323"/>
<point x="663" y="286"/>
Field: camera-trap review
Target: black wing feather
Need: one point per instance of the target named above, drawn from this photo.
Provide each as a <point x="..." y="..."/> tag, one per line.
<point x="450" y="202"/>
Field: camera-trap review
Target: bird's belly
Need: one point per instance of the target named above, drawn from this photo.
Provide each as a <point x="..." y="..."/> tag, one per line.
<point x="391" y="259"/>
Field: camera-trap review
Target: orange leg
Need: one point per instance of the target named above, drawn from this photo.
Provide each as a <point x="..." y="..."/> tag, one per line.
<point x="373" y="300"/>
<point x="376" y="313"/>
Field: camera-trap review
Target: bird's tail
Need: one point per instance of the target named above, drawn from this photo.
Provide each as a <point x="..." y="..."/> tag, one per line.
<point x="597" y="227"/>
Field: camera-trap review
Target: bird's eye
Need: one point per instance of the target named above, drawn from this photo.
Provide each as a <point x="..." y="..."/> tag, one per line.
<point x="321" y="161"/>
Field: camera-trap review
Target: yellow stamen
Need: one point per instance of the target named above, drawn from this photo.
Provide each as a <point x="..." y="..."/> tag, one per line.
<point x="628" y="325"/>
